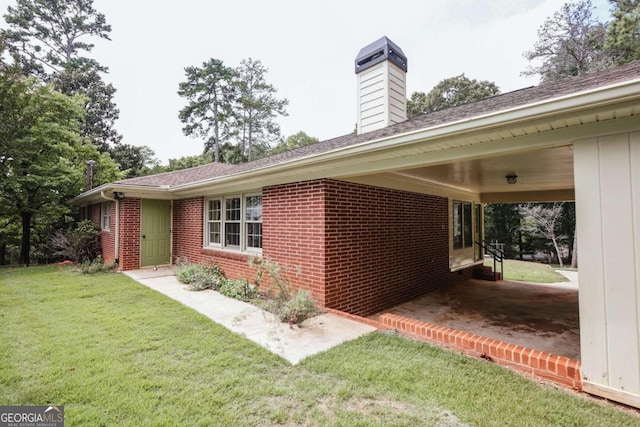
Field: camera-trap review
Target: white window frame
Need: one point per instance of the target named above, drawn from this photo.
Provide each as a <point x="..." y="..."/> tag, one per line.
<point x="105" y="216"/>
<point x="225" y="221"/>
<point x="464" y="223"/>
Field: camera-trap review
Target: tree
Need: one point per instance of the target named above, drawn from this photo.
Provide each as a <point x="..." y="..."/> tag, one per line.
<point x="570" y="43"/>
<point x="210" y="94"/>
<point x="300" y="139"/>
<point x="544" y="221"/>
<point x="51" y="39"/>
<point x="134" y="160"/>
<point x="257" y="107"/>
<point x="502" y="224"/>
<point x="450" y="92"/>
<point x="623" y="35"/>
<point x="43" y="158"/>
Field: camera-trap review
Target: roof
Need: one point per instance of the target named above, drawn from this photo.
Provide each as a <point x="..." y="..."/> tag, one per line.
<point x="491" y="105"/>
<point x="180" y="177"/>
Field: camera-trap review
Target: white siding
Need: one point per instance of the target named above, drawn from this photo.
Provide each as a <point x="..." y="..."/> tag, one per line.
<point x="607" y="183"/>
<point x="382" y="98"/>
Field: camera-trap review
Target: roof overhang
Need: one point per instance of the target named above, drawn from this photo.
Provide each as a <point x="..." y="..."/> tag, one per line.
<point x="551" y="123"/>
<point x="545" y="124"/>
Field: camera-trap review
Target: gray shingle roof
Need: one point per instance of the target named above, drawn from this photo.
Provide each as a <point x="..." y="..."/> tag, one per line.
<point x="492" y="104"/>
<point x="180" y="177"/>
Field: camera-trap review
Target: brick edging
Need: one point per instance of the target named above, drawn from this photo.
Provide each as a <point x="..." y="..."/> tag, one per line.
<point x="376" y="324"/>
<point x="558" y="369"/>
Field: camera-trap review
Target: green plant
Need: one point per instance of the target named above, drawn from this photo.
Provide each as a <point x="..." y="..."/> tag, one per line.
<point x="198" y="276"/>
<point x="79" y="244"/>
<point x="297" y="309"/>
<point x="289" y="307"/>
<point x="96" y="266"/>
<point x="238" y="289"/>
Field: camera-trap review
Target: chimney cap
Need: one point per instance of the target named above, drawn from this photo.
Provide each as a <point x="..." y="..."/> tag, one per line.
<point x="380" y="50"/>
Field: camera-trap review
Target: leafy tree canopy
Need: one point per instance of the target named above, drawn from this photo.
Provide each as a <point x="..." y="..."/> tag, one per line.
<point x="300" y="139"/>
<point x="450" y="92"/>
<point x="256" y="109"/>
<point x="623" y="35"/>
<point x="210" y="94"/>
<point x="43" y="158"/>
<point x="52" y="40"/>
<point x="570" y="43"/>
<point x="232" y="109"/>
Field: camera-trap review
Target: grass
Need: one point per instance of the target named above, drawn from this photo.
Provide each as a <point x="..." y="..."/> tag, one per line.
<point x="117" y="353"/>
<point x="526" y="271"/>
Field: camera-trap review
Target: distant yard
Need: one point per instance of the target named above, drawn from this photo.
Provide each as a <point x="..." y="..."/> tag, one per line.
<point x="527" y="271"/>
<point x="116" y="353"/>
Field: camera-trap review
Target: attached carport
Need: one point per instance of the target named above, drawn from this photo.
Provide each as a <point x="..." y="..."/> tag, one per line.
<point x="582" y="146"/>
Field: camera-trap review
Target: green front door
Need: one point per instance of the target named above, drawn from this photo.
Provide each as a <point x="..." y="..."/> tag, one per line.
<point x="155" y="236"/>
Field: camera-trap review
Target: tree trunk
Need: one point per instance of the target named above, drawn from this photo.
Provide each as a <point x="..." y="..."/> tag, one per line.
<point x="574" y="252"/>
<point x="26" y="238"/>
<point x="555" y="245"/>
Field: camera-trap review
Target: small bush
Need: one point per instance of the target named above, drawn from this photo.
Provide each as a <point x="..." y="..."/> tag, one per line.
<point x="199" y="277"/>
<point x="289" y="307"/>
<point x="79" y="244"/>
<point x="238" y="289"/>
<point x="96" y="266"/>
<point x="297" y="308"/>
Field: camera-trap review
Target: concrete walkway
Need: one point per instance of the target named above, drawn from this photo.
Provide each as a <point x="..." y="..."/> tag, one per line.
<point x="293" y="343"/>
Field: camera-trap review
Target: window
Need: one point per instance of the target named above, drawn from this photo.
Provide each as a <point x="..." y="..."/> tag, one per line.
<point x="462" y="230"/>
<point x="253" y="219"/>
<point x="234" y="222"/>
<point x="214" y="221"/>
<point x="105" y="215"/>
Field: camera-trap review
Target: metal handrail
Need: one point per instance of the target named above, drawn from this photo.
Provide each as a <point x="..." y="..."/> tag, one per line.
<point x="496" y="254"/>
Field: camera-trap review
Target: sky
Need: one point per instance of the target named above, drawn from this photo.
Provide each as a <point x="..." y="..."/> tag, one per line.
<point x="309" y="49"/>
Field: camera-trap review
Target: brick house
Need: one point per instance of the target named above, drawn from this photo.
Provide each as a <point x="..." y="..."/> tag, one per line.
<point x="375" y="218"/>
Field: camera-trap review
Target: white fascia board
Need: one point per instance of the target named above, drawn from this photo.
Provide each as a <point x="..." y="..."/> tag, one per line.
<point x="138" y="191"/>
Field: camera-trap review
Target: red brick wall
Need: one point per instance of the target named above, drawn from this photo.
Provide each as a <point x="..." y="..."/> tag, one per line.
<point x="357" y="248"/>
<point x="188" y="239"/>
<point x="108" y="237"/>
<point x="383" y="247"/>
<point x="130" y="233"/>
<point x="293" y="229"/>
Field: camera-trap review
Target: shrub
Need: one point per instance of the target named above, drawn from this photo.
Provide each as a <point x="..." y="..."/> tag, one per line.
<point x="289" y="307"/>
<point x="297" y="308"/>
<point x="199" y="277"/>
<point x="96" y="266"/>
<point x="238" y="289"/>
<point x="79" y="244"/>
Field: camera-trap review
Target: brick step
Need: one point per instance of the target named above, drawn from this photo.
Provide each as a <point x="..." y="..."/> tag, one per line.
<point x="482" y="272"/>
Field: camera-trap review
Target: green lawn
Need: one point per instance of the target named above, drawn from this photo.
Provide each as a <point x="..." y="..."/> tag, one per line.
<point x="116" y="353"/>
<point x="526" y="271"/>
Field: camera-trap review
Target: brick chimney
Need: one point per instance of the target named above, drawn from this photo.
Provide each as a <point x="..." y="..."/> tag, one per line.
<point x="381" y="69"/>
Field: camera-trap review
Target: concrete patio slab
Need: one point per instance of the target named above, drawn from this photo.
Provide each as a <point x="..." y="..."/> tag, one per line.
<point x="539" y="316"/>
<point x="293" y="343"/>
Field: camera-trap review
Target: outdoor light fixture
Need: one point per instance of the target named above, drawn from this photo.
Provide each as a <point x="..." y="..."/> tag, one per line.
<point x="512" y="179"/>
<point x="118" y="195"/>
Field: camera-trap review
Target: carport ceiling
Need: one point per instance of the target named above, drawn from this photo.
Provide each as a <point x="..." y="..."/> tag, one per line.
<point x="541" y="170"/>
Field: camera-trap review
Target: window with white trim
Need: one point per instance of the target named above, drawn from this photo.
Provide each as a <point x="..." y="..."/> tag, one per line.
<point x="105" y="215"/>
<point x="234" y="222"/>
<point x="462" y="228"/>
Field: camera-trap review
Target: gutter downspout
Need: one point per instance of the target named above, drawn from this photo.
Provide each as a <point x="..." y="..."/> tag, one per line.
<point x="116" y="252"/>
